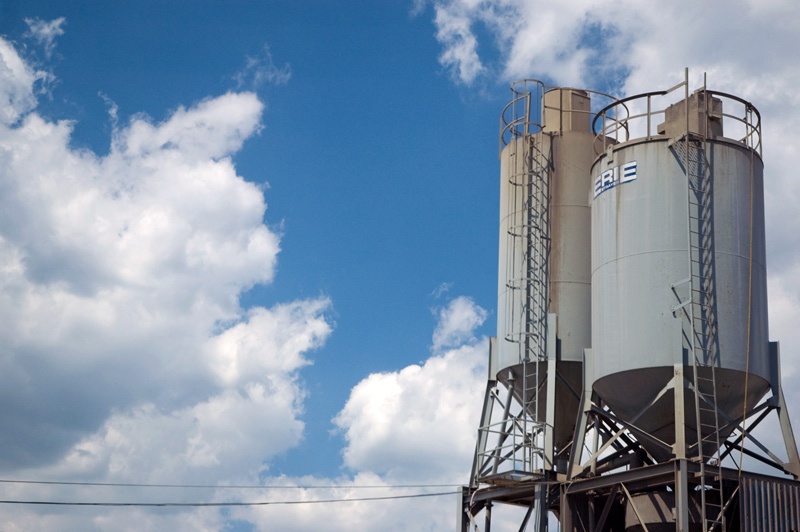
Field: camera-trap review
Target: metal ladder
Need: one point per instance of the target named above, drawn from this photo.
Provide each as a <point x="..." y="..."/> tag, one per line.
<point x="537" y="291"/>
<point x="702" y="315"/>
<point x="527" y="313"/>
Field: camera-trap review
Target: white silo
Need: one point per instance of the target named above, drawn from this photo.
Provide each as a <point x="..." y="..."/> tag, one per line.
<point x="544" y="259"/>
<point x="679" y="271"/>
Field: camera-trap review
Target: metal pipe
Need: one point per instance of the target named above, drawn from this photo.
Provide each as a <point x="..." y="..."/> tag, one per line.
<point x="503" y="427"/>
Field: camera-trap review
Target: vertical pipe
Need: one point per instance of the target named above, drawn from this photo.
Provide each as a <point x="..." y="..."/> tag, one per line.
<point x="462" y="524"/>
<point x="595" y="443"/>
<point x="504" y="426"/>
<point x="540" y="515"/>
<point x="679" y="449"/>
<point x="565" y="513"/>
<point x="682" y="497"/>
<point x="550" y="404"/>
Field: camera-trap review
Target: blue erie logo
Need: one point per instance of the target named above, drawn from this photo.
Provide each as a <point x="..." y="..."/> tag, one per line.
<point x="614" y="176"/>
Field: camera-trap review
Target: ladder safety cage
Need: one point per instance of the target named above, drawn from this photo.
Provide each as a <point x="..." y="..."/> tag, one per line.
<point x="520" y="438"/>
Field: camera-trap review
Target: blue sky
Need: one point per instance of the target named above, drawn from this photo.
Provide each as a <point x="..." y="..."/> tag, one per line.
<point x="161" y="327"/>
<point x="370" y="153"/>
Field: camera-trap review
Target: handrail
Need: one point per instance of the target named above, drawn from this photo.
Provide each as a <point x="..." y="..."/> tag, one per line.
<point x="602" y="112"/>
<point x="525" y="115"/>
<point x="607" y="125"/>
<point x="752" y="129"/>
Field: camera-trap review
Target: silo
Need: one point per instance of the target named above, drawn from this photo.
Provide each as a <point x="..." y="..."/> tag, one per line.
<point x="544" y="259"/>
<point x="668" y="314"/>
<point x="679" y="270"/>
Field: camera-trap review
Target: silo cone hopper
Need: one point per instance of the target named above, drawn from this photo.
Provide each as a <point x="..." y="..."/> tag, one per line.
<point x="645" y="400"/>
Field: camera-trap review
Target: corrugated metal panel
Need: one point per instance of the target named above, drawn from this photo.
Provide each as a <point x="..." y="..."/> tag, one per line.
<point x="769" y="505"/>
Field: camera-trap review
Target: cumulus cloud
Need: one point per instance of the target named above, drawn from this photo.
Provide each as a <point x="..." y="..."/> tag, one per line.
<point x="411" y="426"/>
<point x="125" y="342"/>
<point x="419" y="423"/>
<point x="17" y="80"/>
<point x="583" y="42"/>
<point x="454" y="31"/>
<point x="553" y="38"/>
<point x="416" y="425"/>
<point x="126" y="354"/>
<point x="457" y="323"/>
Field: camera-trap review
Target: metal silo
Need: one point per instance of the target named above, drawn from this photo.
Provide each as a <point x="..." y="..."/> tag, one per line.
<point x="544" y="291"/>
<point x="679" y="270"/>
<point x="544" y="260"/>
<point x="632" y="320"/>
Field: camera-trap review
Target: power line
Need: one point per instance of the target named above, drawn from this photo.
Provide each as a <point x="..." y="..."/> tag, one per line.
<point x="210" y="486"/>
<point x="220" y="504"/>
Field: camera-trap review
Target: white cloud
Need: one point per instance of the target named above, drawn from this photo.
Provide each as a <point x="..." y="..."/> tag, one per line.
<point x="412" y="426"/>
<point x="114" y="520"/>
<point x="457" y="323"/>
<point x="581" y="42"/>
<point x="428" y="515"/>
<point x="441" y="290"/>
<point x="214" y="128"/>
<point x="113" y="109"/>
<point x="17" y="81"/>
<point x="454" y="30"/>
<point x="532" y="37"/>
<point x="45" y="32"/>
<point x="261" y="69"/>
<point x="123" y="338"/>
<point x="232" y="432"/>
<point x="419" y="423"/>
<point x="285" y="332"/>
<point x="415" y="425"/>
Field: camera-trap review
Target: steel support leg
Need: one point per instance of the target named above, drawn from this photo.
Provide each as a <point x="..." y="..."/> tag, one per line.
<point x="682" y="496"/>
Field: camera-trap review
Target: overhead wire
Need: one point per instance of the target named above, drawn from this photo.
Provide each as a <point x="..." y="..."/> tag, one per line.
<point x="223" y="504"/>
<point x="225" y="486"/>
